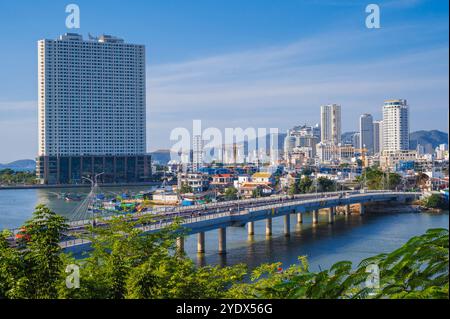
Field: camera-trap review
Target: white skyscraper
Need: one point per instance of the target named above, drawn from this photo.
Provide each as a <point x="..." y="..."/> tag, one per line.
<point x="92" y="109"/>
<point x="395" y="125"/>
<point x="366" y="133"/>
<point x="377" y="136"/>
<point x="197" y="153"/>
<point x="330" y="124"/>
<point x="91" y="96"/>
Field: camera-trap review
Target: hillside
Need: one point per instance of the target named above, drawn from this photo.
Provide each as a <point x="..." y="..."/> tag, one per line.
<point x="20" y="165"/>
<point x="429" y="139"/>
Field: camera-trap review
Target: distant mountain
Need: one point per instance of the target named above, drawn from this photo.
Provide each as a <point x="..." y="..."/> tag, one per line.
<point x="428" y="139"/>
<point x="20" y="165"/>
<point x="161" y="157"/>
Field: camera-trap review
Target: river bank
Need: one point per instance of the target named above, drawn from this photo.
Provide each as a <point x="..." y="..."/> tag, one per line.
<point x="40" y="186"/>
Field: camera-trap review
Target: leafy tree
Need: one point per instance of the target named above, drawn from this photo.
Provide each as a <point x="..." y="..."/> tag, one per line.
<point x="9" y="176"/>
<point x="257" y="192"/>
<point x="418" y="269"/>
<point x="435" y="201"/>
<point x="293" y="189"/>
<point x="185" y="188"/>
<point x="326" y="184"/>
<point x="37" y="264"/>
<point x="376" y="179"/>
<point x="305" y="184"/>
<point x="127" y="263"/>
<point x="231" y="193"/>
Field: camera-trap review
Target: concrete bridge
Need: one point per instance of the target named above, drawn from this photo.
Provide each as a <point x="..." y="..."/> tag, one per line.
<point x="199" y="219"/>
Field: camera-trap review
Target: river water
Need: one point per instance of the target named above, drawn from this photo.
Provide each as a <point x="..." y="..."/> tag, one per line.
<point x="350" y="238"/>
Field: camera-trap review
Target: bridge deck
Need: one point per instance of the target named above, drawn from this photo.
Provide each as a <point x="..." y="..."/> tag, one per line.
<point x="201" y="218"/>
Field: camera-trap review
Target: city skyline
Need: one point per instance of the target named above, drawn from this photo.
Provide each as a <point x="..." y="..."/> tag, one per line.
<point x="259" y="80"/>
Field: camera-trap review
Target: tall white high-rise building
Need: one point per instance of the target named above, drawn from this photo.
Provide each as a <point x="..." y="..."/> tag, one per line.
<point x="377" y="136"/>
<point x="91" y="109"/>
<point x="330" y="124"/>
<point x="91" y="96"/>
<point x="197" y="153"/>
<point x="395" y="125"/>
<point x="366" y="133"/>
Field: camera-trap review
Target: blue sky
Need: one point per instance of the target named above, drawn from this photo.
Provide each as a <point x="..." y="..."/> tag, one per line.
<point x="233" y="63"/>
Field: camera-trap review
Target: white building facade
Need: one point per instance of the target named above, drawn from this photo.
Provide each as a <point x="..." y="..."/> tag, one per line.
<point x="92" y="109"/>
<point x="330" y="124"/>
<point x="395" y="125"/>
<point x="91" y="96"/>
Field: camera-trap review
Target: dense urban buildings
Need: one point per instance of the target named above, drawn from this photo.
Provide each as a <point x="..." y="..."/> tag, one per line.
<point x="91" y="110"/>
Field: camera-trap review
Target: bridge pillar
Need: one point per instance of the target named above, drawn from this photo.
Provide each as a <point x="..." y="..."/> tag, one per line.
<point x="201" y="242"/>
<point x="315" y="216"/>
<point x="299" y="218"/>
<point x="347" y="209"/>
<point x="331" y="213"/>
<point x="362" y="209"/>
<point x="287" y="225"/>
<point x="222" y="241"/>
<point x="180" y="245"/>
<point x="269" y="227"/>
<point x="251" y="228"/>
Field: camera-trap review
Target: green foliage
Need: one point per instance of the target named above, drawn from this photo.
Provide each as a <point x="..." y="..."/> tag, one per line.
<point x="418" y="269"/>
<point x="293" y="189"/>
<point x="376" y="179"/>
<point x="231" y="193"/>
<point x="185" y="188"/>
<point x="326" y="185"/>
<point x="301" y="186"/>
<point x="435" y="201"/>
<point x="305" y="185"/>
<point x="257" y="192"/>
<point x="126" y="263"/>
<point x="33" y="270"/>
<point x="11" y="177"/>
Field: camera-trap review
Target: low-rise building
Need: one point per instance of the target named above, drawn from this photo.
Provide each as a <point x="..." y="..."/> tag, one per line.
<point x="222" y="180"/>
<point x="197" y="181"/>
<point x="247" y="189"/>
<point x="392" y="160"/>
<point x="263" y="178"/>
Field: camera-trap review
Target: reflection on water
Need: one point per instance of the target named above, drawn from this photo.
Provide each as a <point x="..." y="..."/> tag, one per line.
<point x="350" y="238"/>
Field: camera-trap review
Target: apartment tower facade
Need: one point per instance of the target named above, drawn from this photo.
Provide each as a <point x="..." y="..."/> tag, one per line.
<point x="92" y="110"/>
